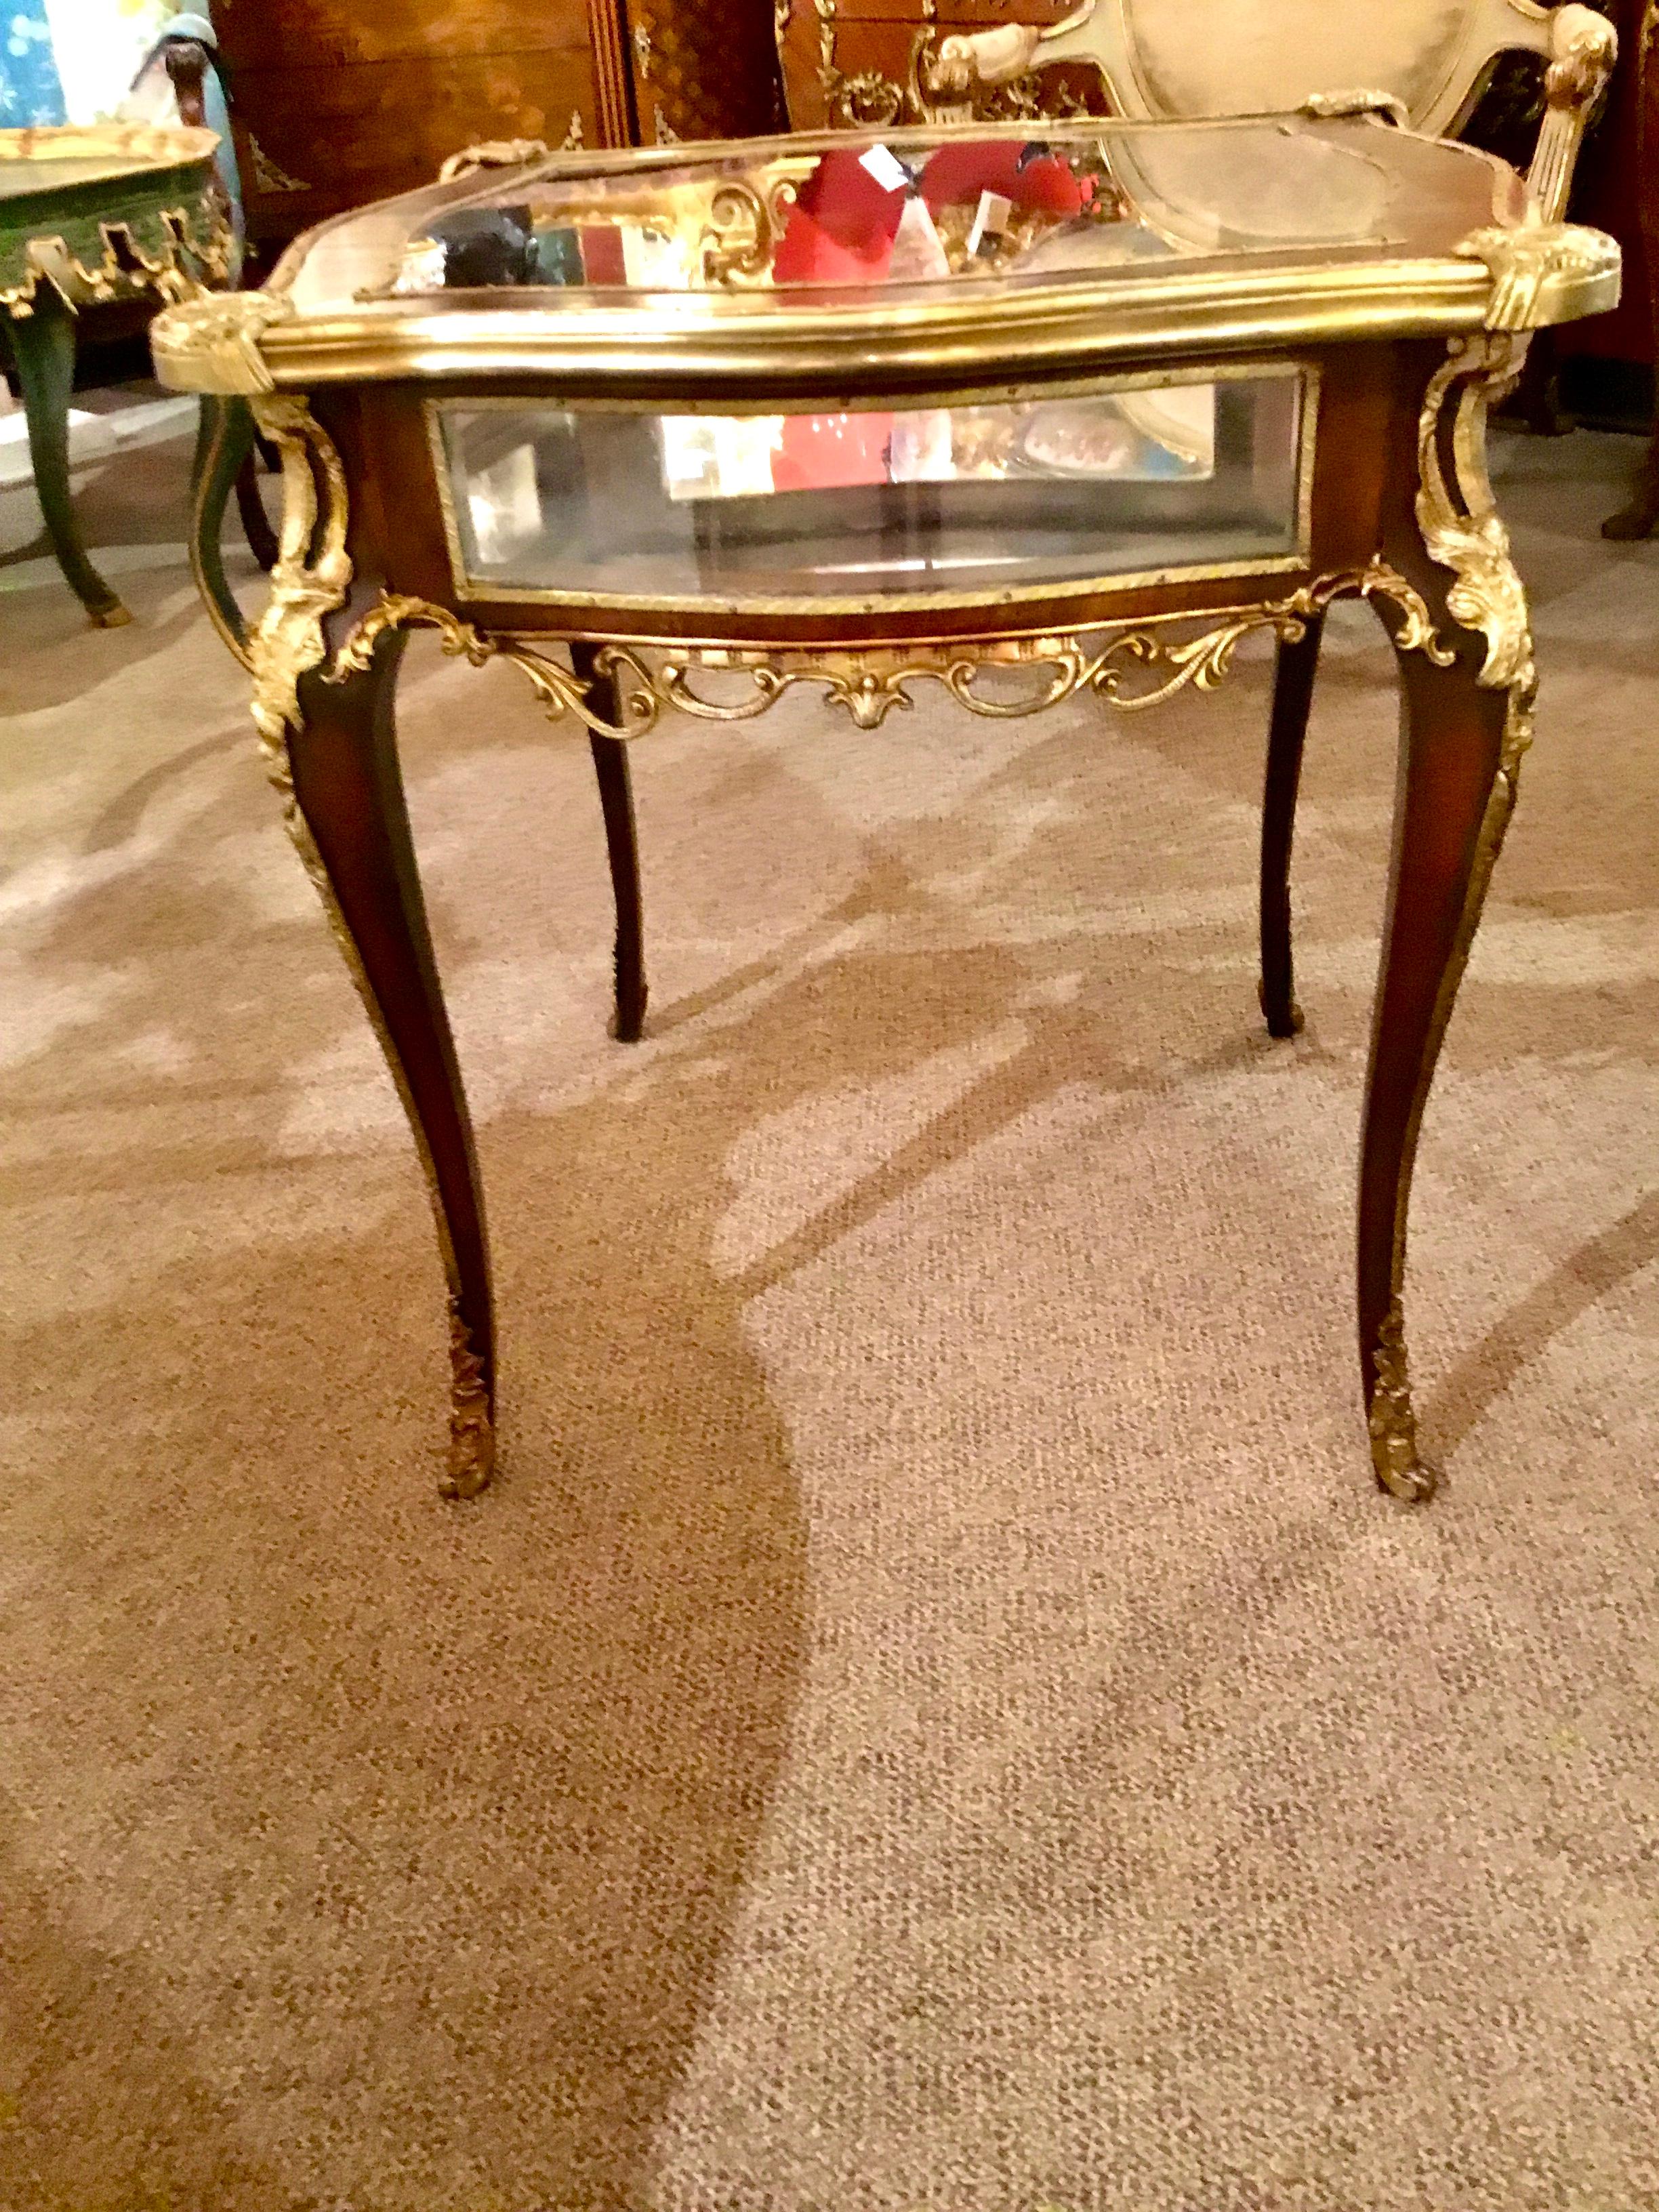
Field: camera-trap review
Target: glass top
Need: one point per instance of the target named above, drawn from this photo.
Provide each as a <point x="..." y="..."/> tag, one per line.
<point x="961" y="206"/>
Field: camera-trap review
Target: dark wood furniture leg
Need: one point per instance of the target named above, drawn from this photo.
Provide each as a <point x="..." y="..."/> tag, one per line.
<point x="1294" y="672"/>
<point x="621" y="844"/>
<point x="1641" y="517"/>
<point x="256" y="524"/>
<point x="350" y="821"/>
<point x="1465" y="720"/>
<point x="43" y="344"/>
<point x="1452" y="738"/>
<point x="223" y="443"/>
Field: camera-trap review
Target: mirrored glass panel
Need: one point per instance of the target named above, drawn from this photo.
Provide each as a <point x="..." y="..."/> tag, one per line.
<point x="979" y="503"/>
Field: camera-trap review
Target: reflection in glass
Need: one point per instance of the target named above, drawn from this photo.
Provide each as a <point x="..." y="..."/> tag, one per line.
<point x="967" y="501"/>
<point x="900" y="213"/>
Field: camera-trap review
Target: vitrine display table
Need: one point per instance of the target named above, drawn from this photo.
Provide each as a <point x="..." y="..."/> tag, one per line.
<point x="1023" y="419"/>
<point x="115" y="211"/>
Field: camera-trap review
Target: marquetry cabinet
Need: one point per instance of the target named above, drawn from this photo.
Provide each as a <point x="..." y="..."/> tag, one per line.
<point x="337" y="102"/>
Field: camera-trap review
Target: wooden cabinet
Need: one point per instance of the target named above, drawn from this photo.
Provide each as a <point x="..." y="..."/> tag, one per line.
<point x="335" y="102"/>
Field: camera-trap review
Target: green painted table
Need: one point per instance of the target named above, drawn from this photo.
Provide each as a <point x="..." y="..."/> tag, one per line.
<point x="115" y="211"/>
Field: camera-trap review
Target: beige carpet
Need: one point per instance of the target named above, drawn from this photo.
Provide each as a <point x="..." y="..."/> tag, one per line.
<point x="935" y="1714"/>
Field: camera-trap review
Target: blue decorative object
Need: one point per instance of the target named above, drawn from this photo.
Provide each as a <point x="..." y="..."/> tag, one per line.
<point x="29" y="88"/>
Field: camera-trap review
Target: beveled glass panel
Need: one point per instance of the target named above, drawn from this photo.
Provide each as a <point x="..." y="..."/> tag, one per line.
<point x="908" y="207"/>
<point x="973" y="503"/>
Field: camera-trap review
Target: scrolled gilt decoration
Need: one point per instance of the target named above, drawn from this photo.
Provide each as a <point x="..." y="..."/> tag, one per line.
<point x="1584" y="47"/>
<point x="312" y="575"/>
<point x="1531" y="262"/>
<point x="736" y="245"/>
<point x="1135" y="668"/>
<point x="1456" y="510"/>
<point x="558" y="691"/>
<point x="212" y="344"/>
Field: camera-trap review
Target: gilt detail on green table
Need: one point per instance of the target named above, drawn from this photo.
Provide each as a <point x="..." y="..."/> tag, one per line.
<point x="114" y="211"/>
<point x="107" y="212"/>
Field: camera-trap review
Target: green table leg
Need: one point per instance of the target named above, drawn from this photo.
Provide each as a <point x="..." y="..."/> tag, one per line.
<point x="43" y="344"/>
<point x="223" y="442"/>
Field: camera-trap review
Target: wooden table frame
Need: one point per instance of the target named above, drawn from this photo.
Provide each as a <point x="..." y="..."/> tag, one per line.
<point x="1400" y="513"/>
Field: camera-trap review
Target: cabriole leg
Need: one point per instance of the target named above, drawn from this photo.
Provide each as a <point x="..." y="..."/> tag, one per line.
<point x="331" y="749"/>
<point x="615" y="783"/>
<point x="1466" y="722"/>
<point x="224" y="442"/>
<point x="1293" y="685"/>
<point x="43" y="343"/>
<point x="350" y="807"/>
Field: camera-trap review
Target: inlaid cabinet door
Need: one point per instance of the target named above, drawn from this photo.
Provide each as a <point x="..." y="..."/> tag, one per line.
<point x="337" y="102"/>
<point x="707" y="70"/>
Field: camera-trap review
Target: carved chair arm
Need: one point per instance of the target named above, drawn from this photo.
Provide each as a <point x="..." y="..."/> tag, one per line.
<point x="1584" y="47"/>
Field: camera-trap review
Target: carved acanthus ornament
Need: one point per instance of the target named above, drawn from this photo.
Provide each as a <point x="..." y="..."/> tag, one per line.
<point x="1531" y="262"/>
<point x="213" y="345"/>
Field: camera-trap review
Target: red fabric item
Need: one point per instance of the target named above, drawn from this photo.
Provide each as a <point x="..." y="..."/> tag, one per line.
<point x="601" y="254"/>
<point x="841" y="228"/>
<point x="820" y="452"/>
<point x="956" y="176"/>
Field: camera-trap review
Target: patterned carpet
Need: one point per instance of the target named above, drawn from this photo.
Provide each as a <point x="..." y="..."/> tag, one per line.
<point x="934" y="1713"/>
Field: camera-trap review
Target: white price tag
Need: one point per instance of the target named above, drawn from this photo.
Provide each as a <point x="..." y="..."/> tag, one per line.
<point x="990" y="219"/>
<point x="885" y="167"/>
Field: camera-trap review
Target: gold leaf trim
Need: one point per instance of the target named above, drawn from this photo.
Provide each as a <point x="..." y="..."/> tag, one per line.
<point x="1392" y="1423"/>
<point x="1462" y="531"/>
<point x="871" y="684"/>
<point x="268" y="175"/>
<point x="1537" y="267"/>
<point x="472" y="1417"/>
<point x="192" y="259"/>
<point x="559" y="691"/>
<point x="212" y="343"/>
<point x="1456" y="512"/>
